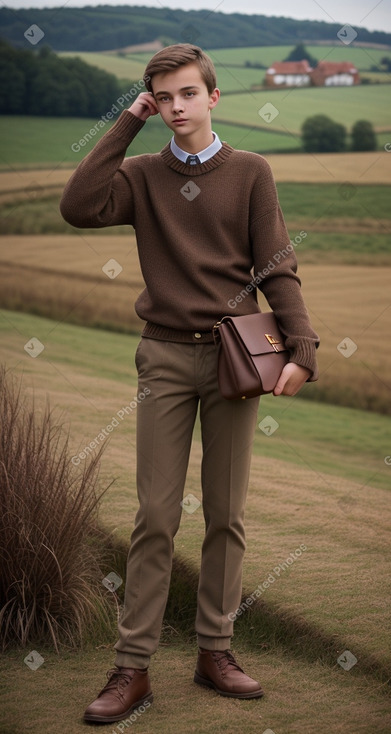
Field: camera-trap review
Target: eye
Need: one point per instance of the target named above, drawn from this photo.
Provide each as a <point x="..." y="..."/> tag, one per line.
<point x="190" y="94"/>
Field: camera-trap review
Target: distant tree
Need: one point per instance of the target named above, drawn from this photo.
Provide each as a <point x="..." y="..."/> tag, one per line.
<point x="363" y="136"/>
<point x="12" y="89"/>
<point x="386" y="62"/>
<point x="254" y="65"/>
<point x="320" y="134"/>
<point x="38" y="82"/>
<point x="299" y="53"/>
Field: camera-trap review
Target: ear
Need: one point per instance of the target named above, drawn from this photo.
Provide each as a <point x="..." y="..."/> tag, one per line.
<point x="214" y="98"/>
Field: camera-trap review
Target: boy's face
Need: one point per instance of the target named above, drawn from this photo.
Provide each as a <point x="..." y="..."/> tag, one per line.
<point x="183" y="100"/>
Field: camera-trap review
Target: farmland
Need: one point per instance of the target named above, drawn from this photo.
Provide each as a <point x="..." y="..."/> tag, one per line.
<point x="131" y="66"/>
<point x="237" y="117"/>
<point x="322" y="479"/>
<point x="347" y="227"/>
<point x="294" y="105"/>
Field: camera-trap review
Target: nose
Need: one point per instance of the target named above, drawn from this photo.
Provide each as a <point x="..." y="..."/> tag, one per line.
<point x="177" y="104"/>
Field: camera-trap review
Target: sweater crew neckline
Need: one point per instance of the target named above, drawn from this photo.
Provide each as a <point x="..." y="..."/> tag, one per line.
<point x="173" y="162"/>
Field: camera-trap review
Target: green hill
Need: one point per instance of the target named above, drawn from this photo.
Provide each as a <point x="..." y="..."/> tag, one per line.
<point x="106" y="27"/>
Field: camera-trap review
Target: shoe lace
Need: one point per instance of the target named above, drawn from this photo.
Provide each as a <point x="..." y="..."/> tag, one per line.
<point x="118" y="680"/>
<point x="225" y="660"/>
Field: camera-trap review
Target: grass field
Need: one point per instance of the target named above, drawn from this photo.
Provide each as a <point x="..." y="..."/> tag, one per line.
<point x="295" y="105"/>
<point x="28" y="140"/>
<point x="123" y="68"/>
<point x="130" y="67"/>
<point x="236" y="119"/>
<point x="38" y="140"/>
<point x="318" y="481"/>
<point x="363" y="58"/>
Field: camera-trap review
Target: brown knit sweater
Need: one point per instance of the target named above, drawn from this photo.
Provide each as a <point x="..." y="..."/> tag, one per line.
<point x="208" y="235"/>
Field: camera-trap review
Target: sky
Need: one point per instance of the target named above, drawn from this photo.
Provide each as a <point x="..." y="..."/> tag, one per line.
<point x="371" y="14"/>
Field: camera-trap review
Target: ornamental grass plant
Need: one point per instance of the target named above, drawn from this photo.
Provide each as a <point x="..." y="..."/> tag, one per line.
<point x="51" y="587"/>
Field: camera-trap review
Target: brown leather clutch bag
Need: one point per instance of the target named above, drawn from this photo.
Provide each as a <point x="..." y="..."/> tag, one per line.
<point x="252" y="354"/>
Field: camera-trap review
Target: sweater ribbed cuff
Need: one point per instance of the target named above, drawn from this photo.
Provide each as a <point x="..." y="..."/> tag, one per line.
<point x="304" y="354"/>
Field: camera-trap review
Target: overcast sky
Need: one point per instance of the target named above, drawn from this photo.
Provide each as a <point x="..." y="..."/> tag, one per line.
<point x="370" y="14"/>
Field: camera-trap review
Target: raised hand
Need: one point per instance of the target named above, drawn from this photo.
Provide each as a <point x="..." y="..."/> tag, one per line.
<point x="144" y="106"/>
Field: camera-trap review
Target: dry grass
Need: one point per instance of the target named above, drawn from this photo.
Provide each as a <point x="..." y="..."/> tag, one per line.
<point x="346" y="225"/>
<point x="50" y="588"/>
<point x="61" y="277"/>
<point x="300" y="698"/>
<point x="357" y="168"/>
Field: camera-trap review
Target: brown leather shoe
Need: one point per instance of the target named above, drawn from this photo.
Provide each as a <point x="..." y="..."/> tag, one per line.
<point x="219" y="670"/>
<point x="127" y="689"/>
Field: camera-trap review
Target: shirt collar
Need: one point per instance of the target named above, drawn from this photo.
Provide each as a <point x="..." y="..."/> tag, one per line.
<point x="203" y="155"/>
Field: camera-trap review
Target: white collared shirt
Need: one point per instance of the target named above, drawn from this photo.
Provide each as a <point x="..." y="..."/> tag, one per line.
<point x="203" y="155"/>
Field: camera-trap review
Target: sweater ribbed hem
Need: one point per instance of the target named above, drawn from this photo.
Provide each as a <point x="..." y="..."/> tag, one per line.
<point x="173" y="162"/>
<point x="164" y="333"/>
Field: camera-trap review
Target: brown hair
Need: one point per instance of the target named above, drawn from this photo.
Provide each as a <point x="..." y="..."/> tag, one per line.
<point x="172" y="57"/>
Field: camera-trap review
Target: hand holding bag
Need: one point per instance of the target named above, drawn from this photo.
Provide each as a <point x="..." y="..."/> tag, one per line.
<point x="252" y="355"/>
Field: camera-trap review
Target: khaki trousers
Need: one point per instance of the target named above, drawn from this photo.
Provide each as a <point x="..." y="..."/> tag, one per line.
<point x="181" y="378"/>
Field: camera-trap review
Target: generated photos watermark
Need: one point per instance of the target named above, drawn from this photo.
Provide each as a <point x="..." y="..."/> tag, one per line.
<point x="34" y="34"/>
<point x="34" y="347"/>
<point x="347" y="660"/>
<point x="124" y="99"/>
<point x="125" y="723"/>
<point x="278" y="257"/>
<point x="190" y="503"/>
<point x="34" y="660"/>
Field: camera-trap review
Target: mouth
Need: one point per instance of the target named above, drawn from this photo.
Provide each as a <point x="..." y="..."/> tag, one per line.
<point x="179" y="121"/>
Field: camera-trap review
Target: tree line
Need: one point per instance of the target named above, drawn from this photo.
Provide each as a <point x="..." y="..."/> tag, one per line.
<point x="321" y="134"/>
<point x="106" y="27"/>
<point x="42" y="83"/>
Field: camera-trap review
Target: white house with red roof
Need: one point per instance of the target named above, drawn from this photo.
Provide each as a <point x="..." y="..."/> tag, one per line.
<point x="301" y="74"/>
<point x="289" y="74"/>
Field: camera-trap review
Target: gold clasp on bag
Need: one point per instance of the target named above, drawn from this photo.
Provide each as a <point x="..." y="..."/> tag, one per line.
<point x="273" y="341"/>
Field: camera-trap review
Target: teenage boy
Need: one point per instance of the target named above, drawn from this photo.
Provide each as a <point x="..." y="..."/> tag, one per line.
<point x="205" y="215"/>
